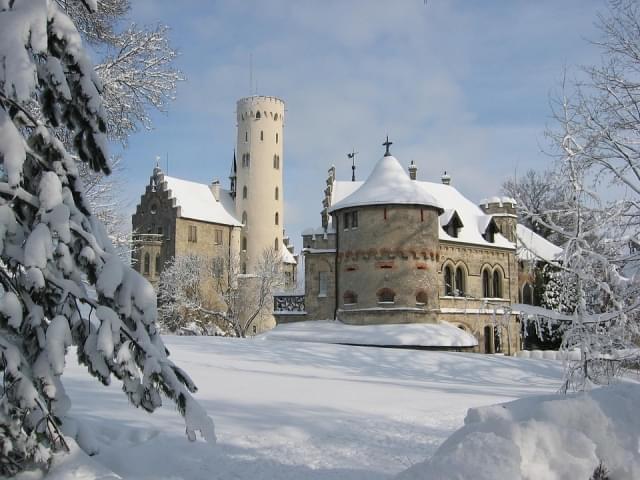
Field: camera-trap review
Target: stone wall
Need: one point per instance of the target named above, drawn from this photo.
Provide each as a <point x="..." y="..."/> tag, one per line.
<point x="395" y="248"/>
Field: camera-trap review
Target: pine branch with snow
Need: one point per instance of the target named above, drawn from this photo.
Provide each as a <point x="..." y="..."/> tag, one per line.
<point x="50" y="244"/>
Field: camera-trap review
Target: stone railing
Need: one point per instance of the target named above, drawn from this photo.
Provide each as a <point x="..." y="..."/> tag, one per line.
<point x="148" y="238"/>
<point x="288" y="303"/>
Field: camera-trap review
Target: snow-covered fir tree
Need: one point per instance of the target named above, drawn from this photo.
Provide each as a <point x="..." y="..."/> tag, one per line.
<point x="62" y="283"/>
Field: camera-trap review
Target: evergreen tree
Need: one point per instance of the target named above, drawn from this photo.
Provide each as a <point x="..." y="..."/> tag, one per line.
<point x="62" y="283"/>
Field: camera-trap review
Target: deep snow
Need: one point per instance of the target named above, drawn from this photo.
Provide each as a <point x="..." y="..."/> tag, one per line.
<point x="289" y="410"/>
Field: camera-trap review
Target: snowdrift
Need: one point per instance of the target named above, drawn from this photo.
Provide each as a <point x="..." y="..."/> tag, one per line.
<point x="543" y="438"/>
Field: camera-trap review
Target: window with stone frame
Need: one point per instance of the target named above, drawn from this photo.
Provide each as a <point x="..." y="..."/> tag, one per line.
<point x="323" y="283"/>
<point x="354" y="219"/>
<point x="448" y="281"/>
<point x="460" y="282"/>
<point x="192" y="234"/>
<point x="218" y="236"/>
<point x="421" y="297"/>
<point x="527" y="294"/>
<point x="497" y="284"/>
<point x="158" y="264"/>
<point x="350" y="298"/>
<point x="147" y="263"/>
<point x="386" y="295"/>
<point x="486" y="284"/>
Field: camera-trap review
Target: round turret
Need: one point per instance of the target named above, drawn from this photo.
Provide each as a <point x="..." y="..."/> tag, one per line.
<point x="387" y="249"/>
<point x="260" y="162"/>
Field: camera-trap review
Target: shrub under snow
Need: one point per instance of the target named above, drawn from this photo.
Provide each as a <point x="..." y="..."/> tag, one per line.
<point x="550" y="437"/>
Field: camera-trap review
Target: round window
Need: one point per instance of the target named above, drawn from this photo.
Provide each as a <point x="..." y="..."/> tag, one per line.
<point x="154" y="208"/>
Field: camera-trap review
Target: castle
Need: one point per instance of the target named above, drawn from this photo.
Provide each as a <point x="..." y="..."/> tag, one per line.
<point x="389" y="250"/>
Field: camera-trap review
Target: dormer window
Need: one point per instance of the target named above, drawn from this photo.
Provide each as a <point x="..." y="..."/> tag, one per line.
<point x="451" y="223"/>
<point x="489" y="233"/>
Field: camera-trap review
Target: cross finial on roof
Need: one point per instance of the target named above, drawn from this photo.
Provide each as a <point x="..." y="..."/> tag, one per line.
<point x="387" y="144"/>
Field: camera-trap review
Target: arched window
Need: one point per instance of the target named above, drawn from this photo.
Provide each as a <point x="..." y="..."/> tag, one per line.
<point x="158" y="264"/>
<point x="460" y="286"/>
<point x="275" y="117"/>
<point x="244" y="218"/>
<point x="244" y="268"/>
<point x="275" y="161"/>
<point x="261" y="135"/>
<point x="486" y="284"/>
<point x="244" y="192"/>
<point x="386" y="295"/>
<point x="421" y="297"/>
<point x="350" y="298"/>
<point x="497" y="284"/>
<point x="244" y="244"/>
<point x="275" y="244"/>
<point x="246" y="136"/>
<point x="248" y="159"/>
<point x="147" y="261"/>
<point x="258" y="114"/>
<point x="448" y="281"/>
<point x="277" y="193"/>
<point x="276" y="132"/>
<point x="527" y="294"/>
<point x="277" y="218"/>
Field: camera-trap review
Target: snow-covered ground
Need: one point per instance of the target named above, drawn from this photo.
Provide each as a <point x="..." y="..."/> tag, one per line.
<point x="441" y="334"/>
<point x="290" y="410"/>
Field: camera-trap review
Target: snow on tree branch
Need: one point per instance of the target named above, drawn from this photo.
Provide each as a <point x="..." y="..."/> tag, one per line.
<point x="50" y="243"/>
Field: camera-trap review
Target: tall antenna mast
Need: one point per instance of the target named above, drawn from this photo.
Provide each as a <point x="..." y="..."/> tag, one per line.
<point x="250" y="73"/>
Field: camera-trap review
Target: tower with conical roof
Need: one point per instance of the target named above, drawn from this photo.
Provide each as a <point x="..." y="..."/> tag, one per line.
<point x="387" y="249"/>
<point x="258" y="176"/>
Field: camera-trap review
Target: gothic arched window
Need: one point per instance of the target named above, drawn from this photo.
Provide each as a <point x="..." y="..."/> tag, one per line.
<point x="244" y="218"/>
<point x="276" y="244"/>
<point x="244" y="192"/>
<point x="277" y="193"/>
<point x="147" y="261"/>
<point x="158" y="264"/>
<point x="497" y="284"/>
<point x="527" y="294"/>
<point x="277" y="219"/>
<point x="276" y="134"/>
<point x="448" y="281"/>
<point x="244" y="244"/>
<point x="486" y="284"/>
<point x="258" y="114"/>
<point x="460" y="286"/>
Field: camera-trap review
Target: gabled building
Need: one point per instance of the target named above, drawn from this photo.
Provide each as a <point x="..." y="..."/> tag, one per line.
<point x="394" y="249"/>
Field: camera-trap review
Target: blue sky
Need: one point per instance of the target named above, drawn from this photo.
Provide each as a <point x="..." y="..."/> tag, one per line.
<point x="461" y="86"/>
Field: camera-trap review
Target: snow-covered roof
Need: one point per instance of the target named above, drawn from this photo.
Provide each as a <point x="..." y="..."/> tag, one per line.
<point x="450" y="199"/>
<point x="196" y="201"/>
<point x="532" y="246"/>
<point x="287" y="256"/>
<point x="388" y="184"/>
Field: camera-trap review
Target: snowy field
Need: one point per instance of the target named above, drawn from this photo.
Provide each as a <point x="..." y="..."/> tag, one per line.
<point x="289" y="410"/>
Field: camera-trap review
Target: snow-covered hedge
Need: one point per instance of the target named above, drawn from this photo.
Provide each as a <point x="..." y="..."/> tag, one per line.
<point x="544" y="437"/>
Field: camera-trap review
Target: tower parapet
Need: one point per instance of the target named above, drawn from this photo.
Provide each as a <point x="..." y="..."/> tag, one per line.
<point x="503" y="210"/>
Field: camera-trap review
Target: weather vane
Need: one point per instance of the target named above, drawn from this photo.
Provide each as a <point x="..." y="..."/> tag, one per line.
<point x="352" y="156"/>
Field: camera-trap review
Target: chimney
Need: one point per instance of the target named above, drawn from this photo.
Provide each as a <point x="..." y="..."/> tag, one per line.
<point x="446" y="179"/>
<point x="413" y="170"/>
<point x="215" y="189"/>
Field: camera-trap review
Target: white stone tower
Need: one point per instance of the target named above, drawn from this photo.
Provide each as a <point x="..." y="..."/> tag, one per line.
<point x="260" y="163"/>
